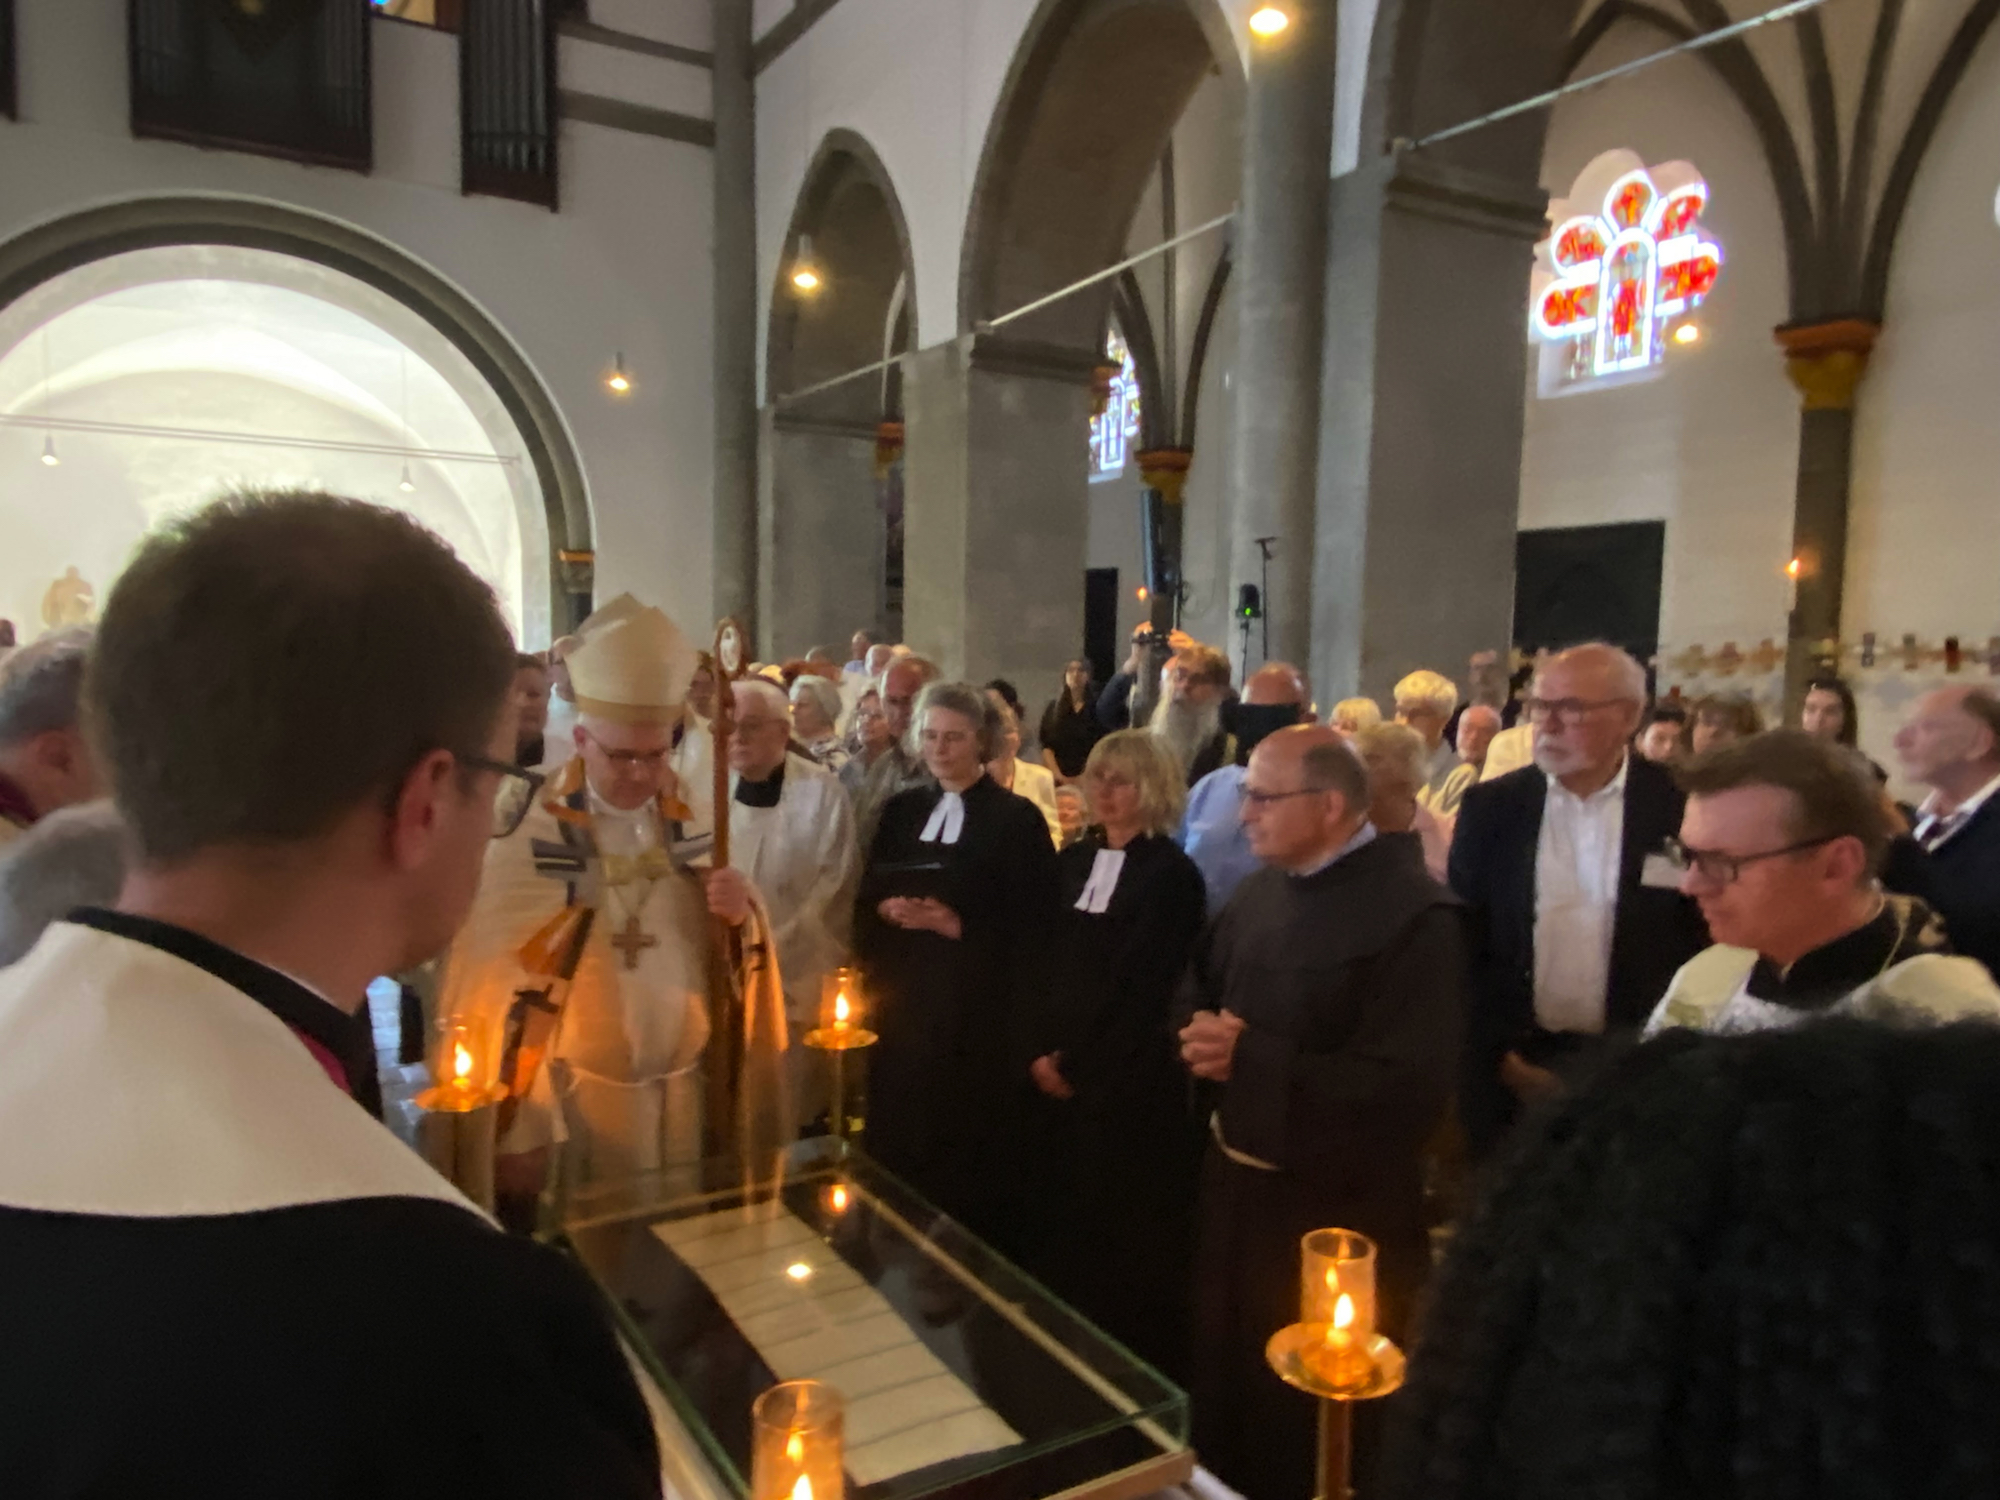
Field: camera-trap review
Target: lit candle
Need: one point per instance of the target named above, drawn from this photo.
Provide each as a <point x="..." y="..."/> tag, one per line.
<point x="1339" y="1299"/>
<point x="797" y="1443"/>
<point x="841" y="1010"/>
<point x="837" y="1198"/>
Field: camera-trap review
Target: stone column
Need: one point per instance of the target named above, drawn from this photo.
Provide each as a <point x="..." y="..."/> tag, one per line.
<point x="1279" y="281"/>
<point x="995" y="524"/>
<point x="821" y="549"/>
<point x="734" y="314"/>
<point x="1424" y="390"/>
<point x="1826" y="362"/>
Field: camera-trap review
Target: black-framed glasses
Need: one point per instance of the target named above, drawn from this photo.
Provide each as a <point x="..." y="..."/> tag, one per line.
<point x="518" y="786"/>
<point x="1723" y="869"/>
<point x="1565" y="710"/>
<point x="1261" y="800"/>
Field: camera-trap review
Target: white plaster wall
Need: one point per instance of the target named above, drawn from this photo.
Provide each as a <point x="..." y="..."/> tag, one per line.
<point x="1711" y="445"/>
<point x="625" y="265"/>
<point x="1923" y="546"/>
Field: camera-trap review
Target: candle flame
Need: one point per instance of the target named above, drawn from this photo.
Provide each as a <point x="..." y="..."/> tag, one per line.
<point x="803" y="1490"/>
<point x="795" y="1448"/>
<point x="461" y="1062"/>
<point x="1343" y="1312"/>
<point x="838" y="1199"/>
<point x="840" y="1008"/>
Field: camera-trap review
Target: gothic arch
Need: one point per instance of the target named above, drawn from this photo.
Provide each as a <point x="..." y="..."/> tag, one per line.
<point x="75" y="240"/>
<point x="1093" y="94"/>
<point x="849" y="209"/>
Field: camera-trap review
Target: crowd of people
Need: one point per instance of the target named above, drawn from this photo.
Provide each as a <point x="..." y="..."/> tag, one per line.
<point x="1189" y="975"/>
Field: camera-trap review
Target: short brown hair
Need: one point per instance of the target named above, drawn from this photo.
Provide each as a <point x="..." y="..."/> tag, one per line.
<point x="1834" y="794"/>
<point x="1730" y="711"/>
<point x="1337" y="768"/>
<point x="1205" y="663"/>
<point x="1984" y="706"/>
<point x="275" y="659"/>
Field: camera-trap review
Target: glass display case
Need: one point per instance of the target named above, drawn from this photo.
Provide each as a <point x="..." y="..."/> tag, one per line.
<point x="962" y="1376"/>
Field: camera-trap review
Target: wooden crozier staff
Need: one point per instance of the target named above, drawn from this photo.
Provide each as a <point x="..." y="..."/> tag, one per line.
<point x="726" y="1046"/>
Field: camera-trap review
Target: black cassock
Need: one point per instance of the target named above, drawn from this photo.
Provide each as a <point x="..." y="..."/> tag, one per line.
<point x="1351" y="982"/>
<point x="1120" y="1163"/>
<point x="948" y="1082"/>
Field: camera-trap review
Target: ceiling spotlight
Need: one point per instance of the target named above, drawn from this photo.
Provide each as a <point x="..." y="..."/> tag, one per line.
<point x="1269" y="20"/>
<point x="618" y="382"/>
<point x="406" y="485"/>
<point x="1687" y="333"/>
<point x="49" y="450"/>
<point x="805" y="273"/>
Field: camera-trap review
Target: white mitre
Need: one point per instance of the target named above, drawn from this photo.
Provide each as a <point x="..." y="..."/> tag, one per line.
<point x="624" y="607"/>
<point x="635" y="670"/>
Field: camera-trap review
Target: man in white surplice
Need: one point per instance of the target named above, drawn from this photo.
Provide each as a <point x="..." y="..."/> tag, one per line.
<point x="620" y="1083"/>
<point x="792" y="833"/>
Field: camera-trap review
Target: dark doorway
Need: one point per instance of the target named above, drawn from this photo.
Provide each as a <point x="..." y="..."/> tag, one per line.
<point x="1100" y="621"/>
<point x="1589" y="583"/>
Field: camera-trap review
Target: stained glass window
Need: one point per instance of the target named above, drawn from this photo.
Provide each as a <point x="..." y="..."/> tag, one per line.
<point x="1113" y="434"/>
<point x="1624" y="262"/>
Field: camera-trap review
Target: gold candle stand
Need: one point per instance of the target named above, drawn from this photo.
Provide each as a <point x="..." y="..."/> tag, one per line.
<point x="1333" y="1352"/>
<point x="457" y="1136"/>
<point x="840" y="1031"/>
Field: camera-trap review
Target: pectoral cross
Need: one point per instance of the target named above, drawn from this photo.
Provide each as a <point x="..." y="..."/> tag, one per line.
<point x="633" y="941"/>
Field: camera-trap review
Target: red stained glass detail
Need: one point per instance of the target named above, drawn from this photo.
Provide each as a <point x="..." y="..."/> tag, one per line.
<point x="1578" y="245"/>
<point x="1693" y="277"/>
<point x="1680" y="213"/>
<point x="1625" y="310"/>
<point x="1564" y="306"/>
<point x="1629" y="204"/>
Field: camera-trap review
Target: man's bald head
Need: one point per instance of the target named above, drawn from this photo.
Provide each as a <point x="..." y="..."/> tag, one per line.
<point x="1304" y="795"/>
<point x="902" y="680"/>
<point x="1277" y="682"/>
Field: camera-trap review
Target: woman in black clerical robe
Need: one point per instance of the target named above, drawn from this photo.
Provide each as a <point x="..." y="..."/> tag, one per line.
<point x="1120" y="1181"/>
<point x="951" y="927"/>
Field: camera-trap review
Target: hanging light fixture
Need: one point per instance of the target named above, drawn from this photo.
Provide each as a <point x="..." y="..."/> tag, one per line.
<point x="1268" y="20"/>
<point x="805" y="271"/>
<point x="618" y="382"/>
<point x="48" y="438"/>
<point x="406" y="484"/>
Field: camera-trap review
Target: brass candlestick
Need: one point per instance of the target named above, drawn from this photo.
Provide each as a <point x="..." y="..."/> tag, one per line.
<point x="459" y="1128"/>
<point x="1333" y="1351"/>
<point x="840" y="1031"/>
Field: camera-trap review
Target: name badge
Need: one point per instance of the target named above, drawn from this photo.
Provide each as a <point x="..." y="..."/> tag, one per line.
<point x="1660" y="873"/>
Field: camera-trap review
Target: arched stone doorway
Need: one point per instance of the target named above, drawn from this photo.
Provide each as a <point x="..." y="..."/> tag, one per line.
<point x="998" y="422"/>
<point x="830" y="508"/>
<point x="168" y="348"/>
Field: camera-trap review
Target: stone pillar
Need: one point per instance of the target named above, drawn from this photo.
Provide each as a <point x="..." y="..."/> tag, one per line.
<point x="734" y="314"/>
<point x="995" y="524"/>
<point x="1279" y="283"/>
<point x="821" y="544"/>
<point x="1420" y="450"/>
<point x="1826" y="362"/>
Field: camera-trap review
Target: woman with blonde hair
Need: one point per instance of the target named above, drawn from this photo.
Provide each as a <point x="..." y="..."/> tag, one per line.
<point x="1352" y="715"/>
<point x="1121" y="1145"/>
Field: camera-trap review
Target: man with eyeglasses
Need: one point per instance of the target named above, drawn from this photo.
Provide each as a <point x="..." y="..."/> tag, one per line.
<point x="900" y="768"/>
<point x="215" y="1264"/>
<point x="1325" y="1004"/>
<point x="1577" y="922"/>
<point x="627" y="1007"/>
<point x="1781" y="845"/>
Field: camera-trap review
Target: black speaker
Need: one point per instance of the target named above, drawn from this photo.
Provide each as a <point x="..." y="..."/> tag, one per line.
<point x="1249" y="603"/>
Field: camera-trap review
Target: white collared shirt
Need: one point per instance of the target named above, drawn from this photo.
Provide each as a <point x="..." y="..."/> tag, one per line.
<point x="1935" y="828"/>
<point x="1576" y="903"/>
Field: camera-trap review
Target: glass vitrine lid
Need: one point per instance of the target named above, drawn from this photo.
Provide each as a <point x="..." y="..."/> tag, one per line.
<point x="960" y="1373"/>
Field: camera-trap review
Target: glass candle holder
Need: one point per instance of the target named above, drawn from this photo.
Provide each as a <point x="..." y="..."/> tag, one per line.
<point x="797" y="1443"/>
<point x="465" y="1063"/>
<point x="1337" y="1298"/>
<point x="843" y="1014"/>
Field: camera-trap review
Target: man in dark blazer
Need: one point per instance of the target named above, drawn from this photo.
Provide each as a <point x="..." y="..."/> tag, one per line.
<point x="1577" y="920"/>
<point x="1952" y="745"/>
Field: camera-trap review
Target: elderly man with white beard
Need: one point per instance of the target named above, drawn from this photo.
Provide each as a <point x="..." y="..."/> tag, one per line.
<point x="1188" y="718"/>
